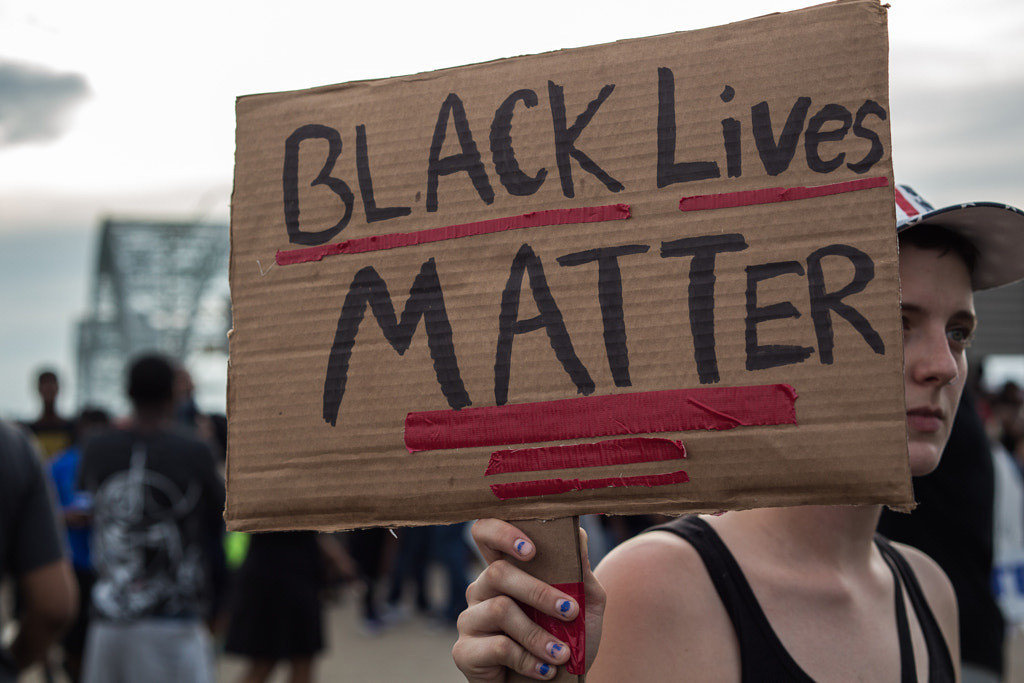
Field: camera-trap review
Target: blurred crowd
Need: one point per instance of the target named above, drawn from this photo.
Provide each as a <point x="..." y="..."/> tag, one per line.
<point x="137" y="502"/>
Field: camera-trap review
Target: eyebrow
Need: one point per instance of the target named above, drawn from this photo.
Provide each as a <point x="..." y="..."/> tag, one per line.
<point x="967" y="317"/>
<point x="962" y="315"/>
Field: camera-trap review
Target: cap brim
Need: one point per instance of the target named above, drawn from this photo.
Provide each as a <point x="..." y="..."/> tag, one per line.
<point x="996" y="231"/>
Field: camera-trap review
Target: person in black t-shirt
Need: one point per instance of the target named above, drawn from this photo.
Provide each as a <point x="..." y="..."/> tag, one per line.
<point x="31" y="553"/>
<point x="157" y="504"/>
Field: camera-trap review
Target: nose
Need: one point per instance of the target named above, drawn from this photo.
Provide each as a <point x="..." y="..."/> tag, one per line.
<point x="930" y="359"/>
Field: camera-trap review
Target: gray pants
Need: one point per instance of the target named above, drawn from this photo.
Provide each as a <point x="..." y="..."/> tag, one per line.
<point x="150" y="650"/>
<point x="970" y="673"/>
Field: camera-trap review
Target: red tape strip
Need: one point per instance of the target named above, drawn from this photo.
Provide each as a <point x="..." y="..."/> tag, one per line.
<point x="574" y="633"/>
<point x="729" y="200"/>
<point x="548" y="487"/>
<point x="649" y="412"/>
<point x="534" y="219"/>
<point x="600" y="454"/>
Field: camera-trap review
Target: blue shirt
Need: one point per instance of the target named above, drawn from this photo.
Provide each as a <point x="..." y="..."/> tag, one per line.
<point x="64" y="472"/>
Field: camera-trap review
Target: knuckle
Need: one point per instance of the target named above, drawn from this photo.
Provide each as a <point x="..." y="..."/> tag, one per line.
<point x="512" y="654"/>
<point x="462" y="623"/>
<point x="477" y="530"/>
<point x="540" y="594"/>
<point x="471" y="591"/>
<point x="536" y="639"/>
<point x="498" y="607"/>
<point x="500" y="570"/>
<point x="490" y="579"/>
<point x="522" y="661"/>
<point x="461" y="650"/>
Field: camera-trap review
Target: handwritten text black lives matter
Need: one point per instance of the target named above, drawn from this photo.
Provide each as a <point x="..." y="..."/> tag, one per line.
<point x="829" y="128"/>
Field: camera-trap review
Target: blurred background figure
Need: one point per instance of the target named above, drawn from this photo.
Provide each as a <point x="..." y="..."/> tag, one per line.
<point x="1006" y="420"/>
<point x="277" y="602"/>
<point x="31" y="554"/>
<point x="954" y="524"/>
<point x="1005" y="425"/>
<point x="409" y="569"/>
<point x="53" y="432"/>
<point x="76" y="506"/>
<point x="448" y="543"/>
<point x="158" y="499"/>
<point x="211" y="427"/>
<point x="214" y="430"/>
<point x="367" y="549"/>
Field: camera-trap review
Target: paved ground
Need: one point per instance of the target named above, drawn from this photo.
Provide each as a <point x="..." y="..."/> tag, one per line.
<point x="412" y="651"/>
<point x="416" y="650"/>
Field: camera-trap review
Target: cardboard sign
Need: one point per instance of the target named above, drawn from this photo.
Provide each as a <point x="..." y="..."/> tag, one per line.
<point x="658" y="275"/>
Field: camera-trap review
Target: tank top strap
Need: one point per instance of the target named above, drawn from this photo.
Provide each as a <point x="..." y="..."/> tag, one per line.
<point x="763" y="657"/>
<point x="908" y="666"/>
<point x="940" y="662"/>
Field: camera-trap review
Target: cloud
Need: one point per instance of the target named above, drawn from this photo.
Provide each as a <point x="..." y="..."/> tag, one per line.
<point x="963" y="140"/>
<point x="35" y="102"/>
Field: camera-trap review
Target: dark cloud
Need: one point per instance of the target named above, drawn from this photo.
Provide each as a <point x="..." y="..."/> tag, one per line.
<point x="35" y="103"/>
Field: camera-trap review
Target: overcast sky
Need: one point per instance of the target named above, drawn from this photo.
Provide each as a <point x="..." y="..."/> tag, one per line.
<point x="124" y="108"/>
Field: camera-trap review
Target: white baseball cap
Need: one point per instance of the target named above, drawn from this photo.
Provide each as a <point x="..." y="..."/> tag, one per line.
<point x="995" y="230"/>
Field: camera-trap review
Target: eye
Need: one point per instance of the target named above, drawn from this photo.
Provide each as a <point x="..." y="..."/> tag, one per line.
<point x="960" y="336"/>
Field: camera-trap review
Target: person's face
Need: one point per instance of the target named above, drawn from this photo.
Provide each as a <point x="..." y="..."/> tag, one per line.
<point x="48" y="388"/>
<point x="938" y="321"/>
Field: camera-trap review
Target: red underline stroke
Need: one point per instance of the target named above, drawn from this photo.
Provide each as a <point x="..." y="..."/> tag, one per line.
<point x="534" y="219"/>
<point x="771" y="195"/>
<point x="547" y="487"/>
<point x="606" y="453"/>
<point x="673" y="410"/>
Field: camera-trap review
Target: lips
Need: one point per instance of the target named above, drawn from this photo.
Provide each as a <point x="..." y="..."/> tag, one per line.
<point x="926" y="420"/>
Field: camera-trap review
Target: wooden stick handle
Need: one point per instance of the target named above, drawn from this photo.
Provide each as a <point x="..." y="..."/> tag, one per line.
<point x="557" y="561"/>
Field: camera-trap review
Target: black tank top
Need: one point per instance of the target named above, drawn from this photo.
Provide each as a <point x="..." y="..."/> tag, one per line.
<point x="763" y="657"/>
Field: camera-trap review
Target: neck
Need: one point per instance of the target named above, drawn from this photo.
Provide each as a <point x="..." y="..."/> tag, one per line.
<point x="150" y="420"/>
<point x="839" y="535"/>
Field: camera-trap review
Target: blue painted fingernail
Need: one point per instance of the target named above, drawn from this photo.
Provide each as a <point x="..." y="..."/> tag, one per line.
<point x="523" y="546"/>
<point x="554" y="649"/>
<point x="564" y="606"/>
<point x="544" y="669"/>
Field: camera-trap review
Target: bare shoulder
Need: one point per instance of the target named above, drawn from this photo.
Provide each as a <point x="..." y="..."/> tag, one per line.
<point x="660" y="574"/>
<point x="663" y="619"/>
<point x="656" y="558"/>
